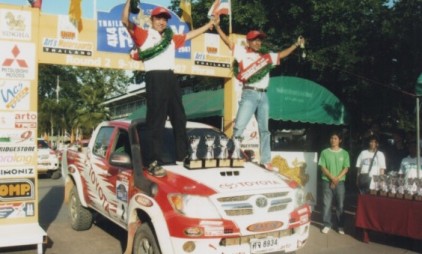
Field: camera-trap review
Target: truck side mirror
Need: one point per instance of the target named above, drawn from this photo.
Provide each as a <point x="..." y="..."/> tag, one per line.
<point x="120" y="159"/>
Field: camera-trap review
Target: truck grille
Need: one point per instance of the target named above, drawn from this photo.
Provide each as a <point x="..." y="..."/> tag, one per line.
<point x="246" y="204"/>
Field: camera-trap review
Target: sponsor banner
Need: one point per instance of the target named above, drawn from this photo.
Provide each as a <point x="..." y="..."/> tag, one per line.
<point x="26" y="171"/>
<point x="17" y="210"/>
<point x="17" y="189"/>
<point x="17" y="60"/>
<point x="66" y="41"/>
<point x="18" y="120"/>
<point x="113" y="36"/>
<point x="14" y="95"/>
<point x="210" y="55"/>
<point x="301" y="167"/>
<point x="17" y="155"/>
<point x="18" y="136"/>
<point x="15" y="25"/>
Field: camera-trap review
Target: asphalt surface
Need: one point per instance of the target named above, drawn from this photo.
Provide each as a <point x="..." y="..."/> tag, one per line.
<point x="106" y="238"/>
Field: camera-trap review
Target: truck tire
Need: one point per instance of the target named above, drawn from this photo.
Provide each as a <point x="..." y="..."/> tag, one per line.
<point x="80" y="217"/>
<point x="145" y="241"/>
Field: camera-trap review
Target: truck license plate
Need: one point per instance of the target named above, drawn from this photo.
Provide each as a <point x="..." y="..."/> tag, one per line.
<point x="264" y="245"/>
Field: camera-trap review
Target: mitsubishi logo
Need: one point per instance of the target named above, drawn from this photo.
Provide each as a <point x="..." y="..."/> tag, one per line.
<point x="9" y="61"/>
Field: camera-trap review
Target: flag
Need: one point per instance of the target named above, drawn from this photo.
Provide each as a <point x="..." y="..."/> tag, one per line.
<point x="220" y="7"/>
<point x="186" y="7"/>
<point x="75" y="14"/>
<point x="35" y="3"/>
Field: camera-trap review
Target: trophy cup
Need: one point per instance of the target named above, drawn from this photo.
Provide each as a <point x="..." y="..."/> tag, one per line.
<point x="236" y="159"/>
<point x="392" y="185"/>
<point x="223" y="158"/>
<point x="192" y="161"/>
<point x="400" y="186"/>
<point x="418" y="183"/>
<point x="373" y="190"/>
<point x="410" y="188"/>
<point x="209" y="160"/>
<point x="383" y="185"/>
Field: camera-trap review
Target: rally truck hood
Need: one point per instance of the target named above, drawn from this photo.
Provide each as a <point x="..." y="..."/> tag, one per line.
<point x="249" y="178"/>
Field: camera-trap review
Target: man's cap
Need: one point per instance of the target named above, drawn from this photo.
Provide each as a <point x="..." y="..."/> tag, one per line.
<point x="255" y="34"/>
<point x="161" y="11"/>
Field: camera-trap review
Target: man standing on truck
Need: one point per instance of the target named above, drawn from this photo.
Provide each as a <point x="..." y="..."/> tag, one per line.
<point x="156" y="47"/>
<point x="252" y="67"/>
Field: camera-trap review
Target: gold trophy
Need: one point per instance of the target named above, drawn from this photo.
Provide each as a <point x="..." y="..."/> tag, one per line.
<point x="237" y="158"/>
<point x="192" y="161"/>
<point x="209" y="160"/>
<point x="223" y="158"/>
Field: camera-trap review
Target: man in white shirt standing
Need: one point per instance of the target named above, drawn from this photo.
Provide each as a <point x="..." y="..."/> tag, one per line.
<point x="156" y="47"/>
<point x="372" y="162"/>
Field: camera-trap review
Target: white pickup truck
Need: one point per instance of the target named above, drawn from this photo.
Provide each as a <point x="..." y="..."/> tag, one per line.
<point x="230" y="210"/>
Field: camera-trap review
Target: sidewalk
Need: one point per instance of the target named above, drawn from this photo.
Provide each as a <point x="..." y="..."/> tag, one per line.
<point x="351" y="242"/>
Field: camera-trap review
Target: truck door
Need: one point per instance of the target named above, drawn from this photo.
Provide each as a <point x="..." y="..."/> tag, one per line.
<point x="123" y="178"/>
<point x="101" y="196"/>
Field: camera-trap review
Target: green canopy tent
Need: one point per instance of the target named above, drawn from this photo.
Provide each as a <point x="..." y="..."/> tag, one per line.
<point x="301" y="100"/>
<point x="197" y="105"/>
<point x="290" y="99"/>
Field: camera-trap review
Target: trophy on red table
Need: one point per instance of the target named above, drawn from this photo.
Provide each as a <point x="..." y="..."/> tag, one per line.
<point x="383" y="185"/>
<point x="410" y="188"/>
<point x="376" y="186"/>
<point x="418" y="182"/>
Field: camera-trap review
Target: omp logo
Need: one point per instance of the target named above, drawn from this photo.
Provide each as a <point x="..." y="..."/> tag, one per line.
<point x="9" y="61"/>
<point x="19" y="189"/>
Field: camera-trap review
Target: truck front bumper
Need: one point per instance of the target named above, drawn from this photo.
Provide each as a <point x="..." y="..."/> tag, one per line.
<point x="287" y="240"/>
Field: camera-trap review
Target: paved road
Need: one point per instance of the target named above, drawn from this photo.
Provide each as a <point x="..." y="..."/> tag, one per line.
<point x="106" y="238"/>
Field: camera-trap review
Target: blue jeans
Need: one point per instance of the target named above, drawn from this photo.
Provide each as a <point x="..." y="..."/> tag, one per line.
<point x="255" y="103"/>
<point x="328" y="194"/>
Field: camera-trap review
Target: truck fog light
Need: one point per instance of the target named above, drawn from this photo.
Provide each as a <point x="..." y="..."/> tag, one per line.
<point x="194" y="231"/>
<point x="189" y="246"/>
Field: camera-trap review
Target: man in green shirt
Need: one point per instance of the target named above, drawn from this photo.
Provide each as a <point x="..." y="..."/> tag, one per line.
<point x="334" y="162"/>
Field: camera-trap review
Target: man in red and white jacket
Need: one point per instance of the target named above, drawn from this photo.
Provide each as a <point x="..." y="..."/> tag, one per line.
<point x="156" y="47"/>
<point x="252" y="67"/>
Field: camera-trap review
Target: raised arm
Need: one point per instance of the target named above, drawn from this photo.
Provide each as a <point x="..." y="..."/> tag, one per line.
<point x="192" y="34"/>
<point x="284" y="53"/>
<point x="223" y="36"/>
<point x="125" y="17"/>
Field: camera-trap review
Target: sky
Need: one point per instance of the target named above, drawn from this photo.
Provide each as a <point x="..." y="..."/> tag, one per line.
<point x="62" y="6"/>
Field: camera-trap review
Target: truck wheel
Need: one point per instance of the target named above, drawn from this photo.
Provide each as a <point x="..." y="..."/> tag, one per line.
<point x="145" y="242"/>
<point x="81" y="217"/>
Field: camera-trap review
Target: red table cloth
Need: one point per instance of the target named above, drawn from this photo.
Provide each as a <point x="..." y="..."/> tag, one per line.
<point x="389" y="215"/>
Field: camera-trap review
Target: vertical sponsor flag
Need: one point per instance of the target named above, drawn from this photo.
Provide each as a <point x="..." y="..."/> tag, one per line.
<point x="186" y="7"/>
<point x="75" y="14"/>
<point x="220" y="7"/>
<point x="35" y="3"/>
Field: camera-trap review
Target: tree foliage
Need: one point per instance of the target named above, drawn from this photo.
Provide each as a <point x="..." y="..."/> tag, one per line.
<point x="71" y="98"/>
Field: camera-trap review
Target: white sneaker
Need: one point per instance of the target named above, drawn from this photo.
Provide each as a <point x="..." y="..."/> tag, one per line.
<point x="341" y="231"/>
<point x="325" y="230"/>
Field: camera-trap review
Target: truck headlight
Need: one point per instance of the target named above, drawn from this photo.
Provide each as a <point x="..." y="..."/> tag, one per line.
<point x="194" y="206"/>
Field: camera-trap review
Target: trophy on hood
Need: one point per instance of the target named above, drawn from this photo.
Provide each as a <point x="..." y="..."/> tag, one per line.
<point x="209" y="160"/>
<point x="192" y="161"/>
<point x="223" y="158"/>
<point x="237" y="158"/>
